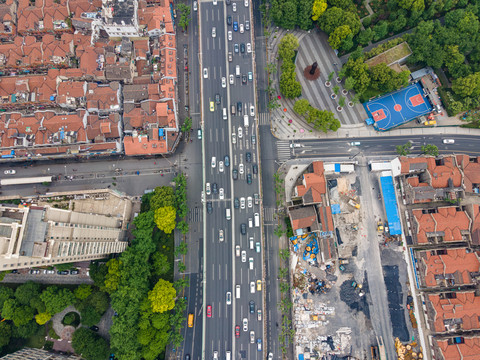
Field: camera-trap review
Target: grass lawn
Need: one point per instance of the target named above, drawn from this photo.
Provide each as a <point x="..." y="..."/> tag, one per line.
<point x="165" y="245"/>
<point x="390" y="56"/>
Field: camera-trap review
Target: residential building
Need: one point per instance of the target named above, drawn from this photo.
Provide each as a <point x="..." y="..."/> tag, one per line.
<point x="38" y="354"/>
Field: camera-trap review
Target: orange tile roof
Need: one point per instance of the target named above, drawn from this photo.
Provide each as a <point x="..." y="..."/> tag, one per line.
<point x="476" y="224"/>
<point x="439" y="174"/>
<point x="314" y="182"/>
<point x="69" y="89"/>
<point x="101" y="97"/>
<point x="304" y="217"/>
<point x="142" y="145"/>
<point x="471" y="171"/>
<point x="465" y="307"/>
<point x="456" y="262"/>
<point x="447" y="220"/>
<point x="468" y="350"/>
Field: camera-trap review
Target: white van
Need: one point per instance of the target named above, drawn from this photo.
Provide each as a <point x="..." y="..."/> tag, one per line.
<point x="228" y="355"/>
<point x="228" y="214"/>
<point x="237" y="291"/>
<point x="251" y="243"/>
<point x="257" y="219"/>
<point x="225" y="114"/>
<point x="237" y="71"/>
<point x="245" y="120"/>
<point x="250" y="222"/>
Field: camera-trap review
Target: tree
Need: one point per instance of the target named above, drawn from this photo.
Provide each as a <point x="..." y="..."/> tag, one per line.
<point x="365" y="36"/>
<point x="468" y="85"/>
<point x="89" y="345"/>
<point x="56" y="299"/>
<point x="99" y="301"/>
<point x="185" y="15"/>
<point x="5" y="333"/>
<point x="289" y="86"/>
<point x="161" y="265"/>
<point x="165" y="218"/>
<point x="98" y="271"/>
<point x="301" y="106"/>
<point x="349" y="83"/>
<point x="42" y="318"/>
<point x="331" y="75"/>
<point x="64" y="266"/>
<point x="331" y="19"/>
<point x="25" y="292"/>
<point x="341" y="102"/>
<point x="338" y="36"/>
<point x="5" y="293"/>
<point x="90" y="316"/>
<point x="113" y="276"/>
<point x="336" y="89"/>
<point x="399" y="23"/>
<point x="380" y="30"/>
<point x="413" y="5"/>
<point x="304" y="14"/>
<point x="182" y="249"/>
<point x="82" y="291"/>
<point x="153" y="332"/>
<point x="404" y="149"/>
<point x="287" y="47"/>
<point x="289" y="20"/>
<point x="430" y="149"/>
<point x="187" y="125"/>
<point x="319" y="7"/>
<point x="162" y="196"/>
<point x="18" y="313"/>
<point x="162" y="297"/>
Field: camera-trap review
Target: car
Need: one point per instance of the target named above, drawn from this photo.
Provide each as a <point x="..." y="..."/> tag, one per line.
<point x="35" y="271"/>
<point x="214" y="162"/>
<point x="230" y="57"/>
<point x="259" y="285"/>
<point x="49" y="272"/>
<point x="205" y="73"/>
<point x="242" y="48"/>
<point x="232" y="79"/>
<point x="234" y="7"/>
<point x="215" y="355"/>
<point x="220" y="166"/>
<point x="244" y="79"/>
<point x="246" y="3"/>
<point x="94" y="328"/>
<point x="229" y="35"/>
<point x="431" y="122"/>
<point x="244" y="256"/>
<point x="209" y="207"/>
<point x="237" y="331"/>
<point x="252" y="337"/>
<point x="217" y="99"/>
<point x="207" y="188"/>
<point x="229" y="298"/>
<point x="259" y="315"/>
<point x="209" y="311"/>
<point x="270" y="356"/>
<point x="254" y="139"/>
<point x="224" y="82"/>
<point x="252" y="110"/>
<point x="242" y="203"/>
<point x="63" y="272"/>
<point x="252" y="287"/>
<point x="227" y="2"/>
<point x="448" y="141"/>
<point x="235" y="48"/>
<point x="256" y="199"/>
<point x="353" y="143"/>
<point x="234" y="138"/>
<point x="235" y="26"/>
<point x="250" y="240"/>
<point x="250" y="263"/>
<point x="240" y="132"/>
<point x="229" y="20"/>
<point x="220" y="235"/>
<point x="236" y="203"/>
<point x="243" y="229"/>
<point x="9" y="172"/>
<point x="214" y="2"/>
<point x="249" y="48"/>
<point x="250" y="76"/>
<point x="195" y="6"/>
<point x="227" y="161"/>
<point x="237" y="250"/>
<point x="248" y="156"/>
<point x="257" y="246"/>
<point x="199" y="134"/>
<point x="74" y="272"/>
<point x="221" y="194"/>
<point x="242" y="29"/>
<point x="247" y="25"/>
<point x="245" y="324"/>
<point x="249" y="179"/>
<point x="234" y="174"/>
<point x="249" y="202"/>
<point x="255" y="168"/>
<point x="214" y="188"/>
<point x="214" y="32"/>
<point x="241" y="169"/>
<point x="259" y="344"/>
<point x="239" y="107"/>
<point x="212" y="106"/>
<point x="187" y="356"/>
<point x="252" y="306"/>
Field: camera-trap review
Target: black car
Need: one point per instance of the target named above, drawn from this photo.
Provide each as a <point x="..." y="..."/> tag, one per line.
<point x="252" y="306"/>
<point x="229" y="20"/>
<point x="242" y="48"/>
<point x="209" y="207"/>
<point x="227" y="2"/>
<point x="236" y="203"/>
<point x="243" y="229"/>
<point x="217" y="98"/>
<point x="235" y="48"/>
<point x="249" y="178"/>
<point x="94" y="328"/>
<point x="214" y="188"/>
<point x="187" y="357"/>
<point x="244" y="79"/>
<point x="64" y="272"/>
<point x="248" y="157"/>
<point x="235" y="174"/>
<point x="239" y="107"/>
<point x="227" y="161"/>
<point x="255" y="168"/>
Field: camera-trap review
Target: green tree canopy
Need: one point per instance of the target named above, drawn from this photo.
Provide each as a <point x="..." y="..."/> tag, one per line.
<point x="56" y="299"/>
<point x="301" y="106"/>
<point x="26" y="330"/>
<point x="18" y="313"/>
<point x="161" y="265"/>
<point x="468" y="85"/>
<point x="165" y="218"/>
<point x="287" y="47"/>
<point x="319" y="7"/>
<point x="113" y="276"/>
<point x="82" y="291"/>
<point x="25" y="292"/>
<point x="338" y="35"/>
<point x="162" y="196"/>
<point x="98" y="271"/>
<point x="90" y="316"/>
<point x="162" y="297"/>
<point x="89" y="345"/>
<point x="404" y="149"/>
<point x="430" y="149"/>
<point x="5" y="333"/>
<point x="42" y="318"/>
<point x="5" y="293"/>
<point x="413" y="5"/>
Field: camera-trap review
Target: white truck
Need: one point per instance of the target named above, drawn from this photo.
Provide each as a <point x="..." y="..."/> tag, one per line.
<point x="245" y="120"/>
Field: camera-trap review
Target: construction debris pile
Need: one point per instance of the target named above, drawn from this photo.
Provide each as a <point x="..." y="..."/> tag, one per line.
<point x="409" y="351"/>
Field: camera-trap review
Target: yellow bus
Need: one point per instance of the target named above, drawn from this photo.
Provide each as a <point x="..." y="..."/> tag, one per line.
<point x="190" y="320"/>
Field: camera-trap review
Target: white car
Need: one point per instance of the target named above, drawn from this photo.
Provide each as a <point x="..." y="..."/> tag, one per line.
<point x="220" y="166"/>
<point x="250" y="263"/>
<point x="252" y="337"/>
<point x="242" y="203"/>
<point x="205" y="73"/>
<point x="240" y="132"/>
<point x="234" y="7"/>
<point x="221" y="194"/>
<point x="242" y="29"/>
<point x="9" y="172"/>
<point x="249" y="48"/>
<point x="214" y="32"/>
<point x="224" y="82"/>
<point x="214" y="162"/>
<point x="246" y="3"/>
<point x="241" y="170"/>
<point x="229" y="298"/>
<point x="250" y="202"/>
<point x="237" y="250"/>
<point x="252" y="287"/>
<point x="214" y="2"/>
<point x="445" y="141"/>
<point x="220" y="233"/>
<point x="234" y="138"/>
<point x="251" y="243"/>
<point x="259" y="315"/>
<point x="252" y="110"/>
<point x="244" y="256"/>
<point x="245" y="324"/>
<point x="232" y="79"/>
<point x="207" y="189"/>
<point x="195" y="6"/>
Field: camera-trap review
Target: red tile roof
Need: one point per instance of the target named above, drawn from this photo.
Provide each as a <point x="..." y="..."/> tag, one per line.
<point x="439" y="174"/>
<point x="315" y="182"/>
<point x="471" y="171"/>
<point x="142" y="145"/>
<point x="468" y="350"/>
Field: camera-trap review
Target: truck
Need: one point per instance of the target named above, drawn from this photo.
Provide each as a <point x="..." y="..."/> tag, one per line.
<point x="245" y="120"/>
<point x="353" y="203"/>
<point x="380" y="226"/>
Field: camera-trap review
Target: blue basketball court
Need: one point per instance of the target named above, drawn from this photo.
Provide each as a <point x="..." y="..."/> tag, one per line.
<point x="398" y="108"/>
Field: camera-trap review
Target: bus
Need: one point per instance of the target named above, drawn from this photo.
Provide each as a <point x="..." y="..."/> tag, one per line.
<point x="190" y="320"/>
<point x="26" y="181"/>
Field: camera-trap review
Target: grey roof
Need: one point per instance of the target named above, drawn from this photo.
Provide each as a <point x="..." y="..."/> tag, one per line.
<point x="303" y="212"/>
<point x="118" y="72"/>
<point x="34" y="232"/>
<point x="418" y="166"/>
<point x="421" y="73"/>
<point x="135" y="93"/>
<point x="123" y="12"/>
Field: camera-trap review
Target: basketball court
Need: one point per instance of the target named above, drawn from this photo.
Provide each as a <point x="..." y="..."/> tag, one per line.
<point x="398" y="108"/>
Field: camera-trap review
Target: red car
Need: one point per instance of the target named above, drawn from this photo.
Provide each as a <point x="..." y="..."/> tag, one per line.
<point x="237" y="331"/>
<point x="209" y="311"/>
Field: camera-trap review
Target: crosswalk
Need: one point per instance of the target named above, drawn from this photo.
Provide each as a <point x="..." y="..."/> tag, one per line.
<point x="283" y="150"/>
<point x="268" y="214"/>
<point x="195" y="215"/>
<point x="264" y="118"/>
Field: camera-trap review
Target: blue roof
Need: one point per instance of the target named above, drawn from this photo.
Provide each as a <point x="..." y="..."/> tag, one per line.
<point x="160" y="132"/>
<point x="337" y="168"/>
<point x="391" y="207"/>
<point x="336" y="209"/>
<point x="300" y="357"/>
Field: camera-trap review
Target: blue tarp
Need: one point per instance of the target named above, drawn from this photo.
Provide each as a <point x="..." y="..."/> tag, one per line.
<point x="160" y="132"/>
<point x="62" y="134"/>
<point x="336" y="209"/>
<point x="369" y="121"/>
<point x="300" y="357"/>
<point x="337" y="168"/>
<point x="52" y="97"/>
<point x="391" y="207"/>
